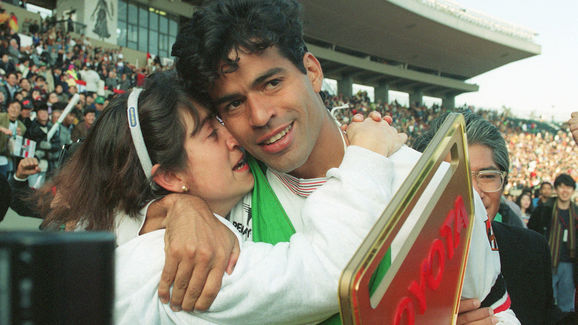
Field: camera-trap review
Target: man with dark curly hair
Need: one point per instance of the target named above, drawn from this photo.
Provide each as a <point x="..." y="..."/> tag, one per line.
<point x="248" y="61"/>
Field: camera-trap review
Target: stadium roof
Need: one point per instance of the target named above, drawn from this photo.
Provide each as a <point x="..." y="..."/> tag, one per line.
<point x="418" y="39"/>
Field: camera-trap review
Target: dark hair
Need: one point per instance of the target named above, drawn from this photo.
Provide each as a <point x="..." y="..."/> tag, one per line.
<point x="519" y="201"/>
<point x="222" y="27"/>
<point x="564" y="179"/>
<point x="14" y="101"/>
<point x="104" y="175"/>
<point x="545" y="183"/>
<point x="89" y="110"/>
<point x="41" y="107"/>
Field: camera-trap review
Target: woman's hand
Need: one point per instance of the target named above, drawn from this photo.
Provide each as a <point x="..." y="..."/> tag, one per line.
<point x="375" y="134"/>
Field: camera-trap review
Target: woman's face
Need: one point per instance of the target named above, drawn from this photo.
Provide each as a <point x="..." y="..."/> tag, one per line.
<point x="217" y="170"/>
<point x="525" y="202"/>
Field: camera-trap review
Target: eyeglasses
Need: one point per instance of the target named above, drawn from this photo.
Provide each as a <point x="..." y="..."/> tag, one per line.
<point x="489" y="180"/>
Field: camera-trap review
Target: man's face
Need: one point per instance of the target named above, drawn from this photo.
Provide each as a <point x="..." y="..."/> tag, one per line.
<point x="56" y="116"/>
<point x="52" y="98"/>
<point x="25" y="84"/>
<point x="68" y="120"/>
<point x="13" y="111"/>
<point x="25" y="113"/>
<point x="273" y="108"/>
<point x="42" y="116"/>
<point x="12" y="79"/>
<point x="481" y="158"/>
<point x="564" y="192"/>
<point x="89" y="118"/>
<point x="546" y="191"/>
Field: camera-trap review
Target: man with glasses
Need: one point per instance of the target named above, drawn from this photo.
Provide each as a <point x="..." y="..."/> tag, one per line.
<point x="524" y="254"/>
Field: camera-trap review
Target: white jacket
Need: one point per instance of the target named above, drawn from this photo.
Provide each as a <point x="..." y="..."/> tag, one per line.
<point x="294" y="282"/>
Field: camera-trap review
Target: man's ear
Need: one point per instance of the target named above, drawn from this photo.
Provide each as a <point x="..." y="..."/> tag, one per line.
<point x="314" y="71"/>
<point x="170" y="181"/>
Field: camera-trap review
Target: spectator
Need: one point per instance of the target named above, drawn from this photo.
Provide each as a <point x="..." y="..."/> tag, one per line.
<point x="25" y="113"/>
<point x="14" y="51"/>
<point x="6" y="64"/>
<point x="112" y="81"/>
<point x="125" y="82"/>
<point x="545" y="194"/>
<point x="81" y="130"/>
<point x="99" y="105"/>
<point x="62" y="134"/>
<point x="524" y="201"/>
<point x="557" y="222"/>
<point x="524" y="254"/>
<point x="91" y="78"/>
<point x="10" y="126"/>
<point x="60" y="94"/>
<point x="25" y="84"/>
<point x="45" y="150"/>
<point x="11" y="87"/>
<point x="52" y="99"/>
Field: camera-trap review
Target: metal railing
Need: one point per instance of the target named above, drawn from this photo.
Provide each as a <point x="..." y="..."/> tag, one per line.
<point x="480" y="19"/>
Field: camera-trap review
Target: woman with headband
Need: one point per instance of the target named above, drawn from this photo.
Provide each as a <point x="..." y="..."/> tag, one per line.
<point x="158" y="141"/>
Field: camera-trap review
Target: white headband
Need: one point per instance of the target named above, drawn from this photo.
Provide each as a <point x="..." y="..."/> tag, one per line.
<point x="136" y="133"/>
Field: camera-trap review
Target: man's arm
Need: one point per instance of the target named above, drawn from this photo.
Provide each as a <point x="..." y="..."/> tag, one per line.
<point x="186" y="251"/>
<point x="21" y="190"/>
<point x="198" y="249"/>
<point x="297" y="281"/>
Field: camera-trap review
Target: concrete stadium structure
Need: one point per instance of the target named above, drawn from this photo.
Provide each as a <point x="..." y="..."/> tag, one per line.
<point x="422" y="47"/>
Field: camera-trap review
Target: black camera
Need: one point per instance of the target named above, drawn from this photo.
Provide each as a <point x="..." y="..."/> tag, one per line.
<point x="56" y="277"/>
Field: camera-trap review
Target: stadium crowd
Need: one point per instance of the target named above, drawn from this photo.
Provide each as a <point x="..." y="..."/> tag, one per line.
<point x="43" y="76"/>
<point x="539" y="151"/>
<point x="39" y="79"/>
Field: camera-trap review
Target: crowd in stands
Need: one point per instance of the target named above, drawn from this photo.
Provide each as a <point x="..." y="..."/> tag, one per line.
<point x="538" y="151"/>
<point x="40" y="72"/>
<point x="39" y="79"/>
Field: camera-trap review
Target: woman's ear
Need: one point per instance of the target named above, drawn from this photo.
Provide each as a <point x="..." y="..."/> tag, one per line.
<point x="170" y="181"/>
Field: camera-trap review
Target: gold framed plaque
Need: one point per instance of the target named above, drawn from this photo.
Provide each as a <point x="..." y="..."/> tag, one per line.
<point x="424" y="282"/>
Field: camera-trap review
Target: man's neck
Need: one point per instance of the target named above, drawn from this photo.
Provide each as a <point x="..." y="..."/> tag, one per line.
<point x="562" y="205"/>
<point x="327" y="153"/>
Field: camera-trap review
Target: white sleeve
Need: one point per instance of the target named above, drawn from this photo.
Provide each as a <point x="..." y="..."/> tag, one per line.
<point x="483" y="266"/>
<point x="293" y="282"/>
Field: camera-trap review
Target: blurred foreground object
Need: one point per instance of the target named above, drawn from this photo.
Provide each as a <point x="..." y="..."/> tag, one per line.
<point x="56" y="277"/>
